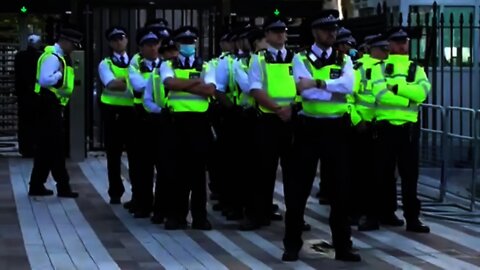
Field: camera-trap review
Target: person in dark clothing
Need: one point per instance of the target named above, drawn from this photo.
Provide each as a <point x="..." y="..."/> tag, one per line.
<point x="25" y="70"/>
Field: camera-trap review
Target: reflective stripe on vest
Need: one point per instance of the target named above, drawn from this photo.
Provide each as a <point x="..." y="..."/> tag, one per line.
<point x="65" y="91"/>
<point x="158" y="92"/>
<point x="179" y="101"/>
<point x="118" y="98"/>
<point x="233" y="90"/>
<point x="278" y="82"/>
<point x="146" y="76"/>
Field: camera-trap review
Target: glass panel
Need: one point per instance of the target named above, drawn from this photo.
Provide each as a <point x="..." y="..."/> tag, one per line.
<point x="456" y="48"/>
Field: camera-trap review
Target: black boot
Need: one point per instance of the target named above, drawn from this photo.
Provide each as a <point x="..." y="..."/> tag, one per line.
<point x="417" y="226"/>
<point x="40" y="191"/>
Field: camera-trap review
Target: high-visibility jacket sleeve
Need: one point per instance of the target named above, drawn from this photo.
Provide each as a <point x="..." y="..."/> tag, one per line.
<point x="380" y="90"/>
<point x="417" y="91"/>
<point x="357" y="81"/>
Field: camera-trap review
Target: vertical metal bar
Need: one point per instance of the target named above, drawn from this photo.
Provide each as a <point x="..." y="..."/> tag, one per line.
<point x="475" y="161"/>
<point x="470" y="63"/>
<point x="182" y="17"/>
<point x="211" y="13"/>
<point x="441" y="58"/>
<point x="173" y="18"/>
<point x="202" y="30"/>
<point x="443" y="170"/>
<point x="460" y="62"/>
<point x="419" y="39"/>
<point x="451" y="65"/>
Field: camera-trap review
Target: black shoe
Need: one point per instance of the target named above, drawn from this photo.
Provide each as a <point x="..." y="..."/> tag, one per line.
<point x="157" y="219"/>
<point x="115" y="201"/>
<point x="417" y="226"/>
<point x="128" y="205"/>
<point x="217" y="207"/>
<point x="290" y="256"/>
<point x="323" y="200"/>
<point x="234" y="215"/>
<point x="40" y="191"/>
<point x="173" y="224"/>
<point x="276" y="217"/>
<point x="275" y="208"/>
<point x="203" y="225"/>
<point x="306" y="227"/>
<point x="392" y="220"/>
<point x="347" y="256"/>
<point x="368" y="224"/>
<point x="142" y="214"/>
<point x="67" y="194"/>
<point x="249" y="225"/>
<point x="214" y="196"/>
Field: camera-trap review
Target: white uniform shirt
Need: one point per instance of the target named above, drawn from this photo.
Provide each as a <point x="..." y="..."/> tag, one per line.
<point x="137" y="81"/>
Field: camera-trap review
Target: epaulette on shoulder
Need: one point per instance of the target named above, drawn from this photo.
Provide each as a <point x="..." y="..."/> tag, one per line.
<point x="262" y="51"/>
<point x="378" y="63"/>
<point x="357" y="65"/>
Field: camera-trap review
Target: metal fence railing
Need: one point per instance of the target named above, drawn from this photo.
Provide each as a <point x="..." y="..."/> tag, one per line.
<point x="451" y="143"/>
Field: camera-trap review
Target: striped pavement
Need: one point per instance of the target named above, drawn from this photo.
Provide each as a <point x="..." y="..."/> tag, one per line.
<point x="88" y="233"/>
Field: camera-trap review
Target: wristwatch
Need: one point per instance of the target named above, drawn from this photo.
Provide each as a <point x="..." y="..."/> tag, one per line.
<point x="320" y="84"/>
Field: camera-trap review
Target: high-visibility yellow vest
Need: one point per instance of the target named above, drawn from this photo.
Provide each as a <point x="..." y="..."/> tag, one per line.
<point x="64" y="92"/>
<point x="362" y="88"/>
<point x="118" y="98"/>
<point x="138" y="97"/>
<point x="339" y="104"/>
<point x="412" y="86"/>
<point x="278" y="82"/>
<point x="179" y="101"/>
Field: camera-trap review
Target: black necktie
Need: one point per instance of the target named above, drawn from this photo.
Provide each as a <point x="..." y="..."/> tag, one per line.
<point x="122" y="60"/>
<point x="279" y="56"/>
<point x="187" y="62"/>
<point x="324" y="56"/>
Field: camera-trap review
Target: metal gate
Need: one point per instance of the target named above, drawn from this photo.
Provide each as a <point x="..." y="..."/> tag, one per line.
<point x="100" y="18"/>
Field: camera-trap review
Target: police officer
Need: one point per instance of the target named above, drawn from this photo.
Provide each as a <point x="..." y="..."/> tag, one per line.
<point x="324" y="78"/>
<point x="402" y="86"/>
<point x="189" y="83"/>
<point x="229" y="96"/>
<point x="55" y="81"/>
<point x="364" y="187"/>
<point x="345" y="43"/>
<point x="117" y="104"/>
<point x="155" y="102"/>
<point x="148" y="63"/>
<point x="273" y="88"/>
<point x="25" y="70"/>
<point x="168" y="49"/>
<point x="160" y="28"/>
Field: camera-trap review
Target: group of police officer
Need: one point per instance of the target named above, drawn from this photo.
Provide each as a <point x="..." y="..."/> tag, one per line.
<point x="238" y="115"/>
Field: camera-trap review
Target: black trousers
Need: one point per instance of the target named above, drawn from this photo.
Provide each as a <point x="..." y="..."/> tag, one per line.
<point x="363" y="185"/>
<point x="191" y="137"/>
<point x="327" y="140"/>
<point x="27" y="108"/>
<point x="273" y="141"/>
<point x="50" y="143"/>
<point x="162" y="153"/>
<point x="215" y="161"/>
<point x="239" y="125"/>
<point x="398" y="145"/>
<point x="142" y="186"/>
<point x="118" y="123"/>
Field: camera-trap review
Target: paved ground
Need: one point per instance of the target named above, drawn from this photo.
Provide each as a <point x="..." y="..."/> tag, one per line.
<point x="88" y="233"/>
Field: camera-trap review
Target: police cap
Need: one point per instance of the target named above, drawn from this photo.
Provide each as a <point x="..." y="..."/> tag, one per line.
<point x="186" y="34"/>
<point x="328" y="19"/>
<point x="71" y="35"/>
<point x="115" y="32"/>
<point x="275" y="24"/>
<point x="397" y="34"/>
<point x="146" y="35"/>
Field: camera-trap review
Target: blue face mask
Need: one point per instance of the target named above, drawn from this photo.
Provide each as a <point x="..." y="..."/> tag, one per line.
<point x="187" y="50"/>
<point x="352" y="52"/>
